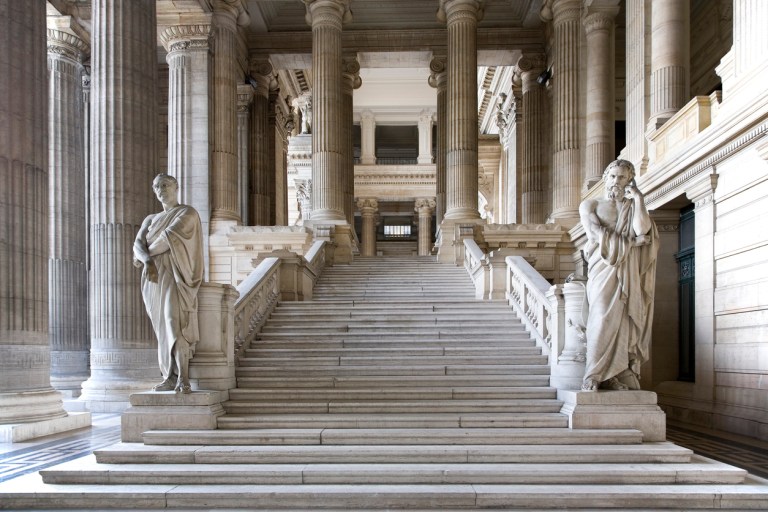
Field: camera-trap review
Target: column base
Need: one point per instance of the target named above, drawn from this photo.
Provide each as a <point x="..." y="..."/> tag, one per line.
<point x="615" y="409"/>
<point x="166" y="410"/>
<point x="339" y="234"/>
<point x="113" y="396"/>
<point x="18" y="432"/>
<point x="451" y="241"/>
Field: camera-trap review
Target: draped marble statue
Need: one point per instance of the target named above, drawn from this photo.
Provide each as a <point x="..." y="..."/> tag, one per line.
<point x="622" y="243"/>
<point x="169" y="248"/>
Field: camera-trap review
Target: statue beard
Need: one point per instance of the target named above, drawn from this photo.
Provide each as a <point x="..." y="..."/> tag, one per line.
<point x="615" y="192"/>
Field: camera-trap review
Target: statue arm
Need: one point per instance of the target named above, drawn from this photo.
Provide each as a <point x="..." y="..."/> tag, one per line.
<point x="159" y="246"/>
<point x="590" y="220"/>
<point x="141" y="252"/>
<point x="641" y="219"/>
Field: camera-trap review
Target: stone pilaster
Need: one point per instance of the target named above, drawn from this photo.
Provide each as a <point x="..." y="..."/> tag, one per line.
<point x="638" y="82"/>
<point x="425" y="207"/>
<point x="425" y="137"/>
<point x="244" y="100"/>
<point x="439" y="80"/>
<point x="533" y="179"/>
<point x="350" y="81"/>
<point x="670" y="59"/>
<point x="67" y="271"/>
<point x="189" y="89"/>
<point x="124" y="114"/>
<point x="599" y="27"/>
<point x="367" y="138"/>
<point x="26" y="394"/>
<point x="461" y="17"/>
<point x="224" y="199"/>
<point x="328" y="160"/>
<point x="304" y="197"/>
<point x="566" y="163"/>
<point x="284" y="125"/>
<point x="368" y="209"/>
<point x="260" y="175"/>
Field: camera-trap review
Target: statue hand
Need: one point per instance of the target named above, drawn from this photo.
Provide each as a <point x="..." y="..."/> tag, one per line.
<point x="632" y="192"/>
<point x="137" y="263"/>
<point x="150" y="272"/>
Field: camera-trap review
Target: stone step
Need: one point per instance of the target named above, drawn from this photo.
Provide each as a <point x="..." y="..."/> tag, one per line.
<point x="427" y="406"/>
<point x="389" y="344"/>
<point x="468" y="330"/>
<point x="263" y="370"/>
<point x="390" y="420"/>
<point x="30" y="492"/>
<point x="87" y="471"/>
<point x="396" y="336"/>
<point x="395" y="321"/>
<point x="381" y="394"/>
<point x="390" y="304"/>
<point x="137" y="453"/>
<point x="442" y="360"/>
<point x="413" y="382"/>
<point x="370" y="315"/>
<point x="260" y="352"/>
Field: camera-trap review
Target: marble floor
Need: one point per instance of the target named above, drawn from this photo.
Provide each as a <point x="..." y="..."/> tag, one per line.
<point x="18" y="459"/>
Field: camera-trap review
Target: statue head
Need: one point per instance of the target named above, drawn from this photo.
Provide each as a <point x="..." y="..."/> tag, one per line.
<point x="166" y="188"/>
<point x="617" y="175"/>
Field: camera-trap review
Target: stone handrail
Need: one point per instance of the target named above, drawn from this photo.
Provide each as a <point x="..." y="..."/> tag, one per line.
<point x="259" y="294"/>
<point x="476" y="265"/>
<point x="552" y="314"/>
<point x="315" y="257"/>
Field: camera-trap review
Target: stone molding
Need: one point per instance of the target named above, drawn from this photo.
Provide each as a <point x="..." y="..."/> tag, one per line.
<point x="598" y="21"/>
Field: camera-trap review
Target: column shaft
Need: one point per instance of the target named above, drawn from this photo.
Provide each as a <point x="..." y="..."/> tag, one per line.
<point x="224" y="201"/>
<point x="25" y="387"/>
<point x="532" y="182"/>
<point x="244" y="99"/>
<point x="367" y="138"/>
<point x="189" y="155"/>
<point x="462" y="149"/>
<point x="600" y="136"/>
<point x="67" y="272"/>
<point x="260" y="174"/>
<point x="124" y="112"/>
<point x="439" y="80"/>
<point x="351" y="81"/>
<point x="566" y="151"/>
<point x="368" y="209"/>
<point x="670" y="61"/>
<point x="425" y="207"/>
<point x="328" y="169"/>
<point x="425" y="137"/>
<point x="638" y="83"/>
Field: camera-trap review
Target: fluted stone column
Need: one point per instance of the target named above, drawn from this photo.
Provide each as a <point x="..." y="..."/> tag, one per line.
<point x="189" y="89"/>
<point x="462" y="17"/>
<point x="272" y="157"/>
<point x="566" y="186"/>
<point x="439" y="80"/>
<point x="425" y="207"/>
<point x="328" y="158"/>
<point x="124" y="113"/>
<point x="367" y="138"/>
<point x="425" y="137"/>
<point x="533" y="199"/>
<point x="225" y="198"/>
<point x="26" y="394"/>
<point x="350" y="81"/>
<point x="637" y="83"/>
<point x="67" y="271"/>
<point x="284" y="125"/>
<point x="260" y="173"/>
<point x="670" y="59"/>
<point x="368" y="209"/>
<point x="244" y="99"/>
<point x="600" y="137"/>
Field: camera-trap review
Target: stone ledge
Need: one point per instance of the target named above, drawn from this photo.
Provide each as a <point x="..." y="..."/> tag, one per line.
<point x="18" y="432"/>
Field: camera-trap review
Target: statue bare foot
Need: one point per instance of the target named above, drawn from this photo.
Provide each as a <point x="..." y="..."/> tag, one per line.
<point x="589" y="385"/>
<point x="166" y="385"/>
<point x="616" y="384"/>
<point x="182" y="387"/>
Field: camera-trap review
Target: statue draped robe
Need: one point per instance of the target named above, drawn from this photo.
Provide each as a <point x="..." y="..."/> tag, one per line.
<point x="620" y="293"/>
<point x="171" y="302"/>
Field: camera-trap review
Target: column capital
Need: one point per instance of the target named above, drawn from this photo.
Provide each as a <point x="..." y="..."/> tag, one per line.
<point x="426" y="116"/>
<point x="702" y="191"/>
<point x="368" y="205"/>
<point x="244" y="97"/>
<point x="425" y="205"/>
<point x="438" y="79"/>
<point x="565" y="10"/>
<point x="261" y="71"/>
<point x="454" y="10"/>
<point x="235" y="10"/>
<point x="601" y="20"/>
<point x="328" y="12"/>
<point x="186" y="37"/>
<point x="367" y="115"/>
<point x="67" y="45"/>
<point x="350" y="73"/>
<point x="531" y="63"/>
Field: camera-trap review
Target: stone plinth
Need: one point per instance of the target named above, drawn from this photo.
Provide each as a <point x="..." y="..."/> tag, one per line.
<point x="18" y="432"/>
<point x="213" y="365"/>
<point x="167" y="410"/>
<point x="615" y="409"/>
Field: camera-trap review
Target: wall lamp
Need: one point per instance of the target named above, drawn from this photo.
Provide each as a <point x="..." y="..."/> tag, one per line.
<point x="544" y="77"/>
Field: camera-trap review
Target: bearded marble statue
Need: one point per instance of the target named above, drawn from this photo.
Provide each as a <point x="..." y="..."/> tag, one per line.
<point x="622" y="244"/>
<point x="169" y="249"/>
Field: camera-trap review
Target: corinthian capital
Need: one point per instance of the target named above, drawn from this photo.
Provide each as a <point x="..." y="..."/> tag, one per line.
<point x="67" y="44"/>
<point x="425" y="205"/>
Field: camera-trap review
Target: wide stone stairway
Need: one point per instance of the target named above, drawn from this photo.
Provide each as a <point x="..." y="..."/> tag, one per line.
<point x="393" y="389"/>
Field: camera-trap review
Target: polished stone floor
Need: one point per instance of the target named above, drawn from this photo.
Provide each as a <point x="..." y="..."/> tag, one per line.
<point x="17" y="459"/>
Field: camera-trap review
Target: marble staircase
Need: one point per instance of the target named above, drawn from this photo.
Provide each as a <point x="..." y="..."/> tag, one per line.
<point x="393" y="389"/>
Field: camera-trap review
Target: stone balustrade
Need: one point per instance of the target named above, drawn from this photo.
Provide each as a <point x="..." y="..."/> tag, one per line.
<point x="476" y="265"/>
<point x="687" y="123"/>
<point x="259" y="293"/>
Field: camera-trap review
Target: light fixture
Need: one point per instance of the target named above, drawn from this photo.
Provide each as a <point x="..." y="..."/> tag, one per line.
<point x="544" y="77"/>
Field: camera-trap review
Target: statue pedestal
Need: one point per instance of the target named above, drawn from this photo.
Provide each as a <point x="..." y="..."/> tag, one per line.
<point x="166" y="410"/>
<point x="615" y="409"/>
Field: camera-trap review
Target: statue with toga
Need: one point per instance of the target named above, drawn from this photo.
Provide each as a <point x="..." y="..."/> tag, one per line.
<point x="622" y="243"/>
<point x="169" y="250"/>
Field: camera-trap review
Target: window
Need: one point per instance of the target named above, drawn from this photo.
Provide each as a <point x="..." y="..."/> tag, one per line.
<point x="397" y="231"/>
